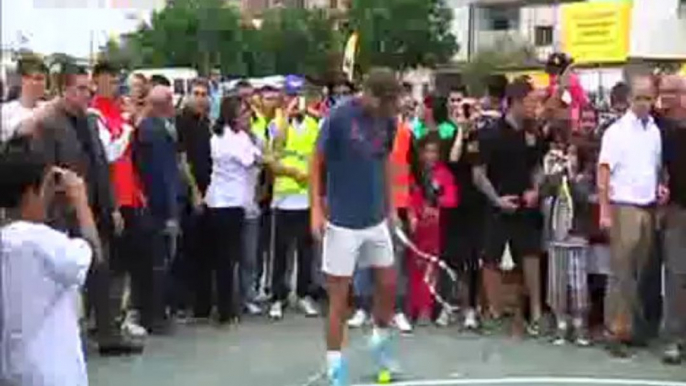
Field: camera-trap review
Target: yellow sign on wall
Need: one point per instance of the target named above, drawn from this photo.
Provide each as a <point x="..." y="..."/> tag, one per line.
<point x="597" y="31"/>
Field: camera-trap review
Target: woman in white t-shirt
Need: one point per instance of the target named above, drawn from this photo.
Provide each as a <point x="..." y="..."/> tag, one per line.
<point x="234" y="152"/>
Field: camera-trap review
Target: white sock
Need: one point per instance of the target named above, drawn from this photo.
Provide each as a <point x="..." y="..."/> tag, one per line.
<point x="333" y="358"/>
<point x="380" y="333"/>
<point x="562" y="324"/>
<point x="578" y="323"/>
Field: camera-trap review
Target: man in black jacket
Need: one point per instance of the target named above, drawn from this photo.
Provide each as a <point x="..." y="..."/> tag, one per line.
<point x="193" y="127"/>
<point x="65" y="136"/>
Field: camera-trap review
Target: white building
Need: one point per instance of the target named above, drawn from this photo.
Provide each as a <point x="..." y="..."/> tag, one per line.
<point x="657" y="28"/>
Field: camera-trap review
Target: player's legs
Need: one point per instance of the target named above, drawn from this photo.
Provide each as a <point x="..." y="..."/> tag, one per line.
<point x="341" y="247"/>
<point x="377" y="252"/>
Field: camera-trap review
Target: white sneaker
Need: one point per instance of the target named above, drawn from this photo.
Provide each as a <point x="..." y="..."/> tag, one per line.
<point x="470" y="320"/>
<point x="443" y="319"/>
<point x="252" y="309"/>
<point x="308" y="307"/>
<point x="400" y="321"/>
<point x="131" y="327"/>
<point x="358" y="319"/>
<point x="276" y="310"/>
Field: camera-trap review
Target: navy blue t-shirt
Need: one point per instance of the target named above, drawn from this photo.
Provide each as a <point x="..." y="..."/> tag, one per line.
<point x="355" y="147"/>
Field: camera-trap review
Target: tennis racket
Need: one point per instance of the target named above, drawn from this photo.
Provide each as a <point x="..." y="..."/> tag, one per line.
<point x="563" y="211"/>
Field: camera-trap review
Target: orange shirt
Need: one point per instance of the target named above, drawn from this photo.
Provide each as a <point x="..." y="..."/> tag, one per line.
<point x="401" y="165"/>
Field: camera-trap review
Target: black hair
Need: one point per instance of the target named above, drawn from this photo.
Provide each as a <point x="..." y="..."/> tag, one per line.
<point x="31" y="64"/>
<point x="243" y="83"/>
<point x="620" y="93"/>
<point x="518" y="90"/>
<point x="459" y="89"/>
<point x="439" y="108"/>
<point x="21" y="169"/>
<point x="228" y="114"/>
<point x="104" y="67"/>
<point x="431" y="138"/>
<point x="496" y="85"/>
<point x="200" y="82"/>
<point x="557" y="63"/>
<point x="63" y="74"/>
<point x="159" y="80"/>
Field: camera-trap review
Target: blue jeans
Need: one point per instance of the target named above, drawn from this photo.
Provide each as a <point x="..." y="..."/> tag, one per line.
<point x="248" y="264"/>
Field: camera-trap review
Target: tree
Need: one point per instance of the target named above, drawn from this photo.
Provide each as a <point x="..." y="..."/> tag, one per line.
<point x="191" y="33"/>
<point x="117" y="53"/>
<point x="402" y="34"/>
<point x="505" y="53"/>
<point x="298" y="41"/>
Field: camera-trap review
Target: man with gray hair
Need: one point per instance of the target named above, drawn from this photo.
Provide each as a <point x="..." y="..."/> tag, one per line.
<point x="628" y="188"/>
<point x="673" y="125"/>
<point x="155" y="155"/>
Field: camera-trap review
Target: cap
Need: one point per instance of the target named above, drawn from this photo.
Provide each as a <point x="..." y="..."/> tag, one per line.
<point x="293" y="84"/>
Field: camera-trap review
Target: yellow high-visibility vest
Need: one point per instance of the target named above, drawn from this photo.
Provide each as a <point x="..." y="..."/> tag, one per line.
<point x="297" y="153"/>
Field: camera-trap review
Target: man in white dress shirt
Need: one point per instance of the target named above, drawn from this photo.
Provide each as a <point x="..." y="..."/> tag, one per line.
<point x="628" y="184"/>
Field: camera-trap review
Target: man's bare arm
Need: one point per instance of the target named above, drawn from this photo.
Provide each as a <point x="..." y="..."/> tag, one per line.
<point x="316" y="191"/>
<point x="603" y="183"/>
<point x="484" y="185"/>
<point x="457" y="148"/>
<point x="388" y="188"/>
<point x="537" y="177"/>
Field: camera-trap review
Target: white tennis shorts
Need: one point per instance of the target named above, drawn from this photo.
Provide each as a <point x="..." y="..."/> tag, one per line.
<point x="345" y="248"/>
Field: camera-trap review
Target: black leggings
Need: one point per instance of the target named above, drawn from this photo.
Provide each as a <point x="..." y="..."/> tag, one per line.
<point x="461" y="238"/>
<point x="292" y="229"/>
<point x="224" y="242"/>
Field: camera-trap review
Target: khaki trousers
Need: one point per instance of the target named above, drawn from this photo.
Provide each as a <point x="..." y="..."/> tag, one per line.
<point x="631" y="242"/>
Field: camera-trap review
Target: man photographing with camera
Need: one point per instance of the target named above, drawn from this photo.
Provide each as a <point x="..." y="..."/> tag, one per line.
<point x="41" y="270"/>
<point x="62" y="134"/>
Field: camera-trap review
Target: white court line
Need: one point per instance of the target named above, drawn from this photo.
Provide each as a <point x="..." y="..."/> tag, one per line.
<point x="534" y="381"/>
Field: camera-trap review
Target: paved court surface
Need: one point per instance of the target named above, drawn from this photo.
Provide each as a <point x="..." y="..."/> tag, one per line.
<point x="288" y="353"/>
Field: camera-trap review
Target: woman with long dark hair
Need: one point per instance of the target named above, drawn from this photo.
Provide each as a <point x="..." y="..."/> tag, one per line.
<point x="234" y="152"/>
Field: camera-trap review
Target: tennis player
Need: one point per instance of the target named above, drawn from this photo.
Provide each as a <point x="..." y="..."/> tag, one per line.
<point x="355" y="217"/>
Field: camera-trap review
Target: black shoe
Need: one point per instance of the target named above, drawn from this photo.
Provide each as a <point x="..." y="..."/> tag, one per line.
<point x="162" y="327"/>
<point x="673" y="354"/>
<point x="618" y="349"/>
<point x="119" y="345"/>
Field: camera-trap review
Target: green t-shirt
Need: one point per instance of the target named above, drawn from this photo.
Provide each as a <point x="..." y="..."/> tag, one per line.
<point x="446" y="130"/>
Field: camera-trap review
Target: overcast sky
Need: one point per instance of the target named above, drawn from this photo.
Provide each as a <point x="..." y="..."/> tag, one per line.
<point x="66" y="25"/>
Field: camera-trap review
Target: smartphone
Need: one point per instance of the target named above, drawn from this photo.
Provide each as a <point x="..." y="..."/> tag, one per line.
<point x="467" y="110"/>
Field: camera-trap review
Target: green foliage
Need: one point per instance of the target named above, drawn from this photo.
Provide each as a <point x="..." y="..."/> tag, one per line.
<point x="206" y="34"/>
<point x="403" y="33"/>
<point x="505" y="53"/>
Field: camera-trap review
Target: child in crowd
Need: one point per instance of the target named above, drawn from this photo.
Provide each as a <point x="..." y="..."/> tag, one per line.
<point x="569" y="190"/>
<point x="432" y="188"/>
<point x="41" y="271"/>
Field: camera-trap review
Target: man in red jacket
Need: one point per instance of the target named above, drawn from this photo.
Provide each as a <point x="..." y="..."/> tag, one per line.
<point x="131" y="247"/>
